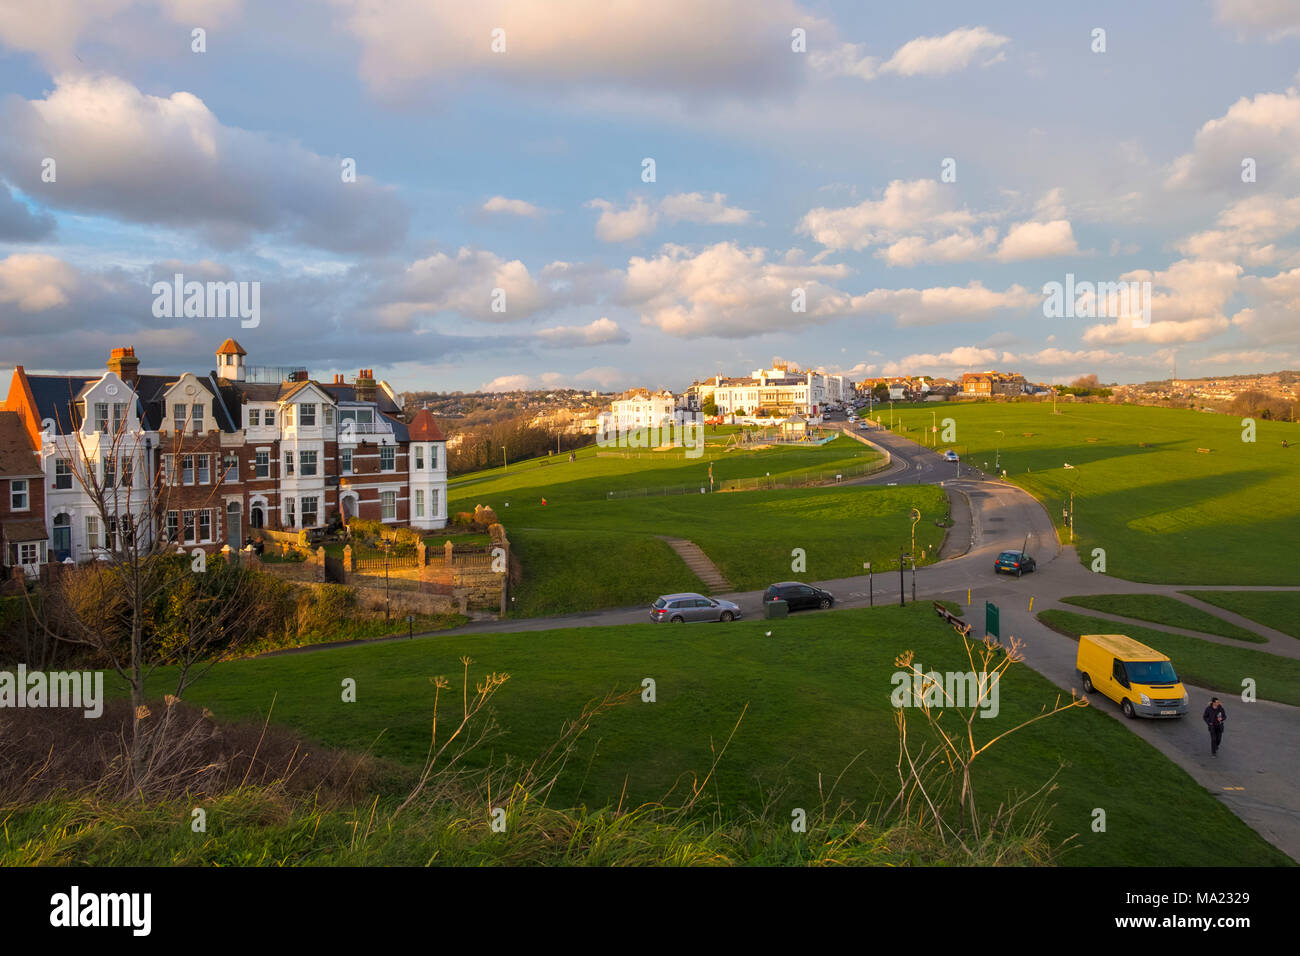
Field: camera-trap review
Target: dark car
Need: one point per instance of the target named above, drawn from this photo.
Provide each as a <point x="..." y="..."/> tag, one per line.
<point x="1014" y="562"/>
<point x="799" y="596"/>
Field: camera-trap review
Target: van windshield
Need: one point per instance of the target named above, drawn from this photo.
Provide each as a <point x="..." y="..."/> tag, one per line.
<point x="1151" y="672"/>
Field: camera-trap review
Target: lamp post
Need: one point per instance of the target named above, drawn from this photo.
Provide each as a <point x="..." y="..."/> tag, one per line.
<point x="934" y="430"/>
<point x="505" y="465"/>
<point x="997" y="458"/>
<point x="871" y="596"/>
<point x="902" y="593"/>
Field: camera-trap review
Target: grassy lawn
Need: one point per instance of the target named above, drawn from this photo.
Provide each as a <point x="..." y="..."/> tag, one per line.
<point x="1164" y="610"/>
<point x="1161" y="511"/>
<point x="574" y="570"/>
<point x="818" y="698"/>
<point x="584" y="549"/>
<point x="1279" y="610"/>
<point x="1217" y="667"/>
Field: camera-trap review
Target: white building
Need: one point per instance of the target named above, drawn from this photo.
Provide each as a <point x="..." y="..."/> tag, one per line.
<point x="641" y="408"/>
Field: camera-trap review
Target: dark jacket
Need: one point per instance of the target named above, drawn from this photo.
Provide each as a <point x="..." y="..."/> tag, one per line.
<point x="1211" y="712"/>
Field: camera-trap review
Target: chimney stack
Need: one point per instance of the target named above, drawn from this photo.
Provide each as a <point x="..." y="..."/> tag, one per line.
<point x="125" y="365"/>
<point x="365" y="387"/>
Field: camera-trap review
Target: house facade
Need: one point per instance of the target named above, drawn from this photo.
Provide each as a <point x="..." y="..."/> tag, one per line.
<point x="202" y="458"/>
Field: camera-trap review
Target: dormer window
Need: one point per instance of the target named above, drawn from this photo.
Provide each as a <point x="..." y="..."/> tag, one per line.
<point x="307" y="418"/>
<point x="101" y="417"/>
<point x="268" y="417"/>
<point x="179" y="412"/>
<point x="198" y="418"/>
<point x="254" y="417"/>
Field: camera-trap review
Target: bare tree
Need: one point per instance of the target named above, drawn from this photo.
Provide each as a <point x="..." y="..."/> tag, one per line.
<point x="142" y="603"/>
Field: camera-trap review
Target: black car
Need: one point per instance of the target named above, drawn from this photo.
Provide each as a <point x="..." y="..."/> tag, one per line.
<point x="1014" y="562"/>
<point x="799" y="596"/>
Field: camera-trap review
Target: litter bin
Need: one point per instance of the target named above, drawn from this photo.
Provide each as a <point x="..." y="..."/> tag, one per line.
<point x="774" y="609"/>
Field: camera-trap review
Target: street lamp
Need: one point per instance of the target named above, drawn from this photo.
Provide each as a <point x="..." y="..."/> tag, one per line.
<point x="997" y="458"/>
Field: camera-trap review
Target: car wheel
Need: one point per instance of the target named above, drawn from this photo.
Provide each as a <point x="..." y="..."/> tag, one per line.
<point x="1017" y="572"/>
<point x="727" y="617"/>
<point x="1087" y="684"/>
<point x="678" y="619"/>
<point x="826" y="603"/>
<point x="1126" y="706"/>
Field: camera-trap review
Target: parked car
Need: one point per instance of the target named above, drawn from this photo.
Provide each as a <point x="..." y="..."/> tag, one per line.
<point x="864" y="425"/>
<point x="950" y="455"/>
<point x="1014" y="562"/>
<point x="684" y="608"/>
<point x="799" y="596"/>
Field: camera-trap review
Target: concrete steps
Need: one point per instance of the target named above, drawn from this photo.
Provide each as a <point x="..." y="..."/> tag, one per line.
<point x="700" y="564"/>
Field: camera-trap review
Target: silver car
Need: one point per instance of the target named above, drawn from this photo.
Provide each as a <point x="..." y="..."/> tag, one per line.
<point x="682" y="608"/>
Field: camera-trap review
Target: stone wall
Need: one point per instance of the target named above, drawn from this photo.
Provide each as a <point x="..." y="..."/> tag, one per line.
<point x="476" y="577"/>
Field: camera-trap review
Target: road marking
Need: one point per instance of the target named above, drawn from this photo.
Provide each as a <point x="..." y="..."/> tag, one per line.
<point x="1234" y="788"/>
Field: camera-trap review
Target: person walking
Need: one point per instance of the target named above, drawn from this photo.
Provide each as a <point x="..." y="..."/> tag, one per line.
<point x="1214" y="717"/>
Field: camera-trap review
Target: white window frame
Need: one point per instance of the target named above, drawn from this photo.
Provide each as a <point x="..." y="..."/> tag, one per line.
<point x="20" y="487"/>
<point x="384" y="498"/>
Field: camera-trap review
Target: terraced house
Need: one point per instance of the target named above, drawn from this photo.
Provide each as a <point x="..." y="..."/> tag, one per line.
<point x="226" y="451"/>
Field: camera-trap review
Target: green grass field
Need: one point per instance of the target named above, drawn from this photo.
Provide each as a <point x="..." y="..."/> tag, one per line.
<point x="1160" y="609"/>
<point x="584" y="549"/>
<point x="816" y="703"/>
<point x="1216" y="667"/>
<point x="1161" y="511"/>
<point x="1279" y="610"/>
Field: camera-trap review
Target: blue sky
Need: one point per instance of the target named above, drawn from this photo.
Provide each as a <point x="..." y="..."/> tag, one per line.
<point x="776" y="169"/>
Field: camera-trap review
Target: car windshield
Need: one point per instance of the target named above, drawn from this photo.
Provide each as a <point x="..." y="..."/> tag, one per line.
<point x="1151" y="672"/>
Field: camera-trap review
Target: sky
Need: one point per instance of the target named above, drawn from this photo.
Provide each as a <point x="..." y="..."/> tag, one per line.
<point x="613" y="193"/>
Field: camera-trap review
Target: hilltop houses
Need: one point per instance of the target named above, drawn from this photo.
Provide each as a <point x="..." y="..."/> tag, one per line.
<point x="204" y="456"/>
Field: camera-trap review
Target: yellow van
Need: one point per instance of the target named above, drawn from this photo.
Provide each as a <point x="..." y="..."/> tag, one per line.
<point x="1141" y="680"/>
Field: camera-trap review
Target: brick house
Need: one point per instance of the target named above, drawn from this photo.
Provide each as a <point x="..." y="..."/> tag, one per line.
<point x="23" y="537"/>
<point x="225" y="453"/>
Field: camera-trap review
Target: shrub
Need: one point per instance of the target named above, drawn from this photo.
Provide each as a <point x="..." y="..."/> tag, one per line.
<point x="321" y="608"/>
<point x="484" y="517"/>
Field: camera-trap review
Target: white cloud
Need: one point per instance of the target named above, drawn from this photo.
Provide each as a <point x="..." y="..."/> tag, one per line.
<point x="622" y="225"/>
<point x="924" y="56"/>
<point x="641" y="218"/>
<point x="170" y="161"/>
<point x="1265" y="128"/>
<point x="697" y="207"/>
<point x="675" y="46"/>
<point x="54" y="33"/>
<point x="1191" y="309"/>
<point x="935" y="56"/>
<point x="919" y="221"/>
<point x="1274" y="18"/>
<point x="1038" y="240"/>
<point x="955" y="248"/>
<point x="602" y="331"/>
<point x="511" y="207"/>
<point x="907" y="207"/>
<point x="728" y="291"/>
<point x="36" y="283"/>
<point x="464" y="284"/>
<point x="1247" y="231"/>
<point x="1275" y="306"/>
<point x="508" y="383"/>
<point x="934" y="306"/>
